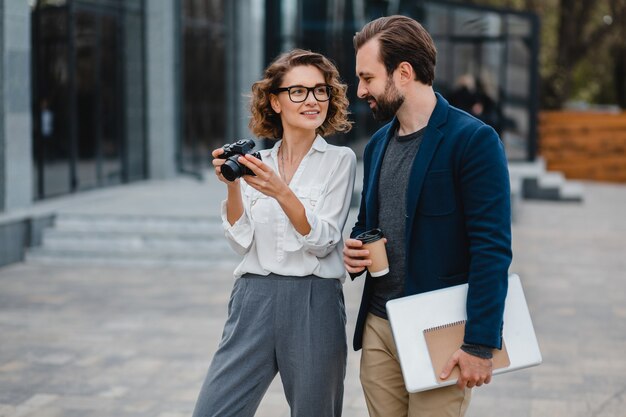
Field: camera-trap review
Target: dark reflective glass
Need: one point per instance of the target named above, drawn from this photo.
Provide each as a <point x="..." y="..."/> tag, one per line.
<point x="204" y="77"/>
<point x="88" y="95"/>
<point x="51" y="142"/>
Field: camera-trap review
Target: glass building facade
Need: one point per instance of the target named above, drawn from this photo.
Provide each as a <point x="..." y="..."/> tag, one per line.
<point x="98" y="74"/>
<point x="203" y="80"/>
<point x="87" y="94"/>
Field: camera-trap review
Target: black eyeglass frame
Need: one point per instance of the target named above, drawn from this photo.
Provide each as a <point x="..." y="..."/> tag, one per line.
<point x="329" y="90"/>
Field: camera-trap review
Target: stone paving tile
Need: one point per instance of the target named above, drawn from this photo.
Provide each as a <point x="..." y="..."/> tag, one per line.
<point x="80" y="341"/>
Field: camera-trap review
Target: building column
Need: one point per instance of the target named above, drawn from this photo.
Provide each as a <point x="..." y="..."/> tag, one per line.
<point x="16" y="159"/>
<point x="162" y="86"/>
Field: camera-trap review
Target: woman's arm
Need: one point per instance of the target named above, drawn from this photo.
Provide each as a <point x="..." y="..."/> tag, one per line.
<point x="295" y="211"/>
<point x="319" y="231"/>
<point x="329" y="217"/>
<point x="234" y="203"/>
<point x="237" y="226"/>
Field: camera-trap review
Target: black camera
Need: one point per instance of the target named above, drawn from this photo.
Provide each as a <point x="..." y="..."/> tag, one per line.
<point x="232" y="169"/>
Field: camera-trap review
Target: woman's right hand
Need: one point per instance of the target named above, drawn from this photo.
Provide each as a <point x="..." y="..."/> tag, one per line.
<point x="217" y="164"/>
<point x="234" y="204"/>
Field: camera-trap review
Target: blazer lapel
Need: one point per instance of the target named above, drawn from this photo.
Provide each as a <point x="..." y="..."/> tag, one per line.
<point x="430" y="142"/>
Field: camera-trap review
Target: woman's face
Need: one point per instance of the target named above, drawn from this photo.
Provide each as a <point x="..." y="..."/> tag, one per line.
<point x="305" y="116"/>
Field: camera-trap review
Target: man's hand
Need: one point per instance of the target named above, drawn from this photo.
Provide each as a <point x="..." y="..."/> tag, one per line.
<point x="355" y="258"/>
<point x="475" y="371"/>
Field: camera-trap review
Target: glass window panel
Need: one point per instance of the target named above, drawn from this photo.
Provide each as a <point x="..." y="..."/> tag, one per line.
<point x="518" y="69"/>
<point x="515" y="133"/>
<point x="133" y="73"/>
<point x="110" y="103"/>
<point x="443" y="69"/>
<point x="475" y="23"/>
<point x="46" y="3"/>
<point x="85" y="39"/>
<point x="436" y="19"/>
<point x="204" y="78"/>
<point x="207" y="10"/>
<point x="464" y="56"/>
<point x="518" y="26"/>
<point x="104" y="105"/>
<point x="489" y="73"/>
<point x="51" y="140"/>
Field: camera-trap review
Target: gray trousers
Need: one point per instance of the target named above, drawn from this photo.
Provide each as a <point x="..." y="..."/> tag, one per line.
<point x="291" y="325"/>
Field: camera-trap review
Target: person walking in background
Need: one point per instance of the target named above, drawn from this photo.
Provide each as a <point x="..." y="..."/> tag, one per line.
<point x="436" y="182"/>
<point x="470" y="94"/>
<point x="464" y="95"/>
<point x="286" y="313"/>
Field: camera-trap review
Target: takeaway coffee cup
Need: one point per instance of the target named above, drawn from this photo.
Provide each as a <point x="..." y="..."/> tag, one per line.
<point x="373" y="241"/>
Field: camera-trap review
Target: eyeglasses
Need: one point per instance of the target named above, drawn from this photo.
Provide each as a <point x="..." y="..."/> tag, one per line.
<point x="299" y="93"/>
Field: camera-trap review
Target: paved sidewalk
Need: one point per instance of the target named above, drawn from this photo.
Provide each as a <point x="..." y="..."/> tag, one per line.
<point x="80" y="341"/>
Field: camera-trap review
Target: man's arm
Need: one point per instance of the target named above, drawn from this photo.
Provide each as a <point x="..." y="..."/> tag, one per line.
<point x="485" y="191"/>
<point x="353" y="255"/>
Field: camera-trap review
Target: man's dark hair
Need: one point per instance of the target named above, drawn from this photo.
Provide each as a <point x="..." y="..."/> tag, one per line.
<point x="401" y="39"/>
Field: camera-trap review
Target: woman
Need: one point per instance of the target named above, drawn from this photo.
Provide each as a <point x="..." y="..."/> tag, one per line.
<point x="286" y="313"/>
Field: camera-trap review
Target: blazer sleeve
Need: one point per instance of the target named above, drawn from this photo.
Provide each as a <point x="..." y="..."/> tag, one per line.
<point x="485" y="193"/>
<point x="360" y="225"/>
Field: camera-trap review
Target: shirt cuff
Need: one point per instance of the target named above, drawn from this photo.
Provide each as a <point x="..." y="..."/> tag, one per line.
<point x="240" y="232"/>
<point x="315" y="239"/>
<point x="484" y="352"/>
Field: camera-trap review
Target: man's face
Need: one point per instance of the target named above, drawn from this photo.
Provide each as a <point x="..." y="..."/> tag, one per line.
<point x="375" y="84"/>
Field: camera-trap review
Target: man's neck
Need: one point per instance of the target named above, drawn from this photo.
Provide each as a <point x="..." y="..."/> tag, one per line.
<point x="416" y="110"/>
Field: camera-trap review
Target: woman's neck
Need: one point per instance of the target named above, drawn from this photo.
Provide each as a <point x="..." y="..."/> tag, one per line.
<point x="294" y="147"/>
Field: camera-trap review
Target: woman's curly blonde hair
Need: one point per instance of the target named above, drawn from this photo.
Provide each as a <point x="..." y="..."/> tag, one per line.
<point x="266" y="123"/>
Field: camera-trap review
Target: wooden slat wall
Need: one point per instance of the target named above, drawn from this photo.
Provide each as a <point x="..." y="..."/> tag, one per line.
<point x="584" y="145"/>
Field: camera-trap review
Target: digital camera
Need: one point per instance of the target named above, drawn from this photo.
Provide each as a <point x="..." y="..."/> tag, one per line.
<point x="232" y="169"/>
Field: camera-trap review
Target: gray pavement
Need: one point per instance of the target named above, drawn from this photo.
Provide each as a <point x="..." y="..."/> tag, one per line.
<point x="87" y="341"/>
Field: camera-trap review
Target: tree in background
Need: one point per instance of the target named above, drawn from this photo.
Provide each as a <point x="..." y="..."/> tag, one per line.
<point x="583" y="49"/>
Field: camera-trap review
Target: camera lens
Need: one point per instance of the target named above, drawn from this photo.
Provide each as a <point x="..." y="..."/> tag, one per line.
<point x="231" y="170"/>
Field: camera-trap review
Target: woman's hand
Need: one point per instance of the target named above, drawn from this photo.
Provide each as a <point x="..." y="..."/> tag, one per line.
<point x="265" y="180"/>
<point x="217" y="164"/>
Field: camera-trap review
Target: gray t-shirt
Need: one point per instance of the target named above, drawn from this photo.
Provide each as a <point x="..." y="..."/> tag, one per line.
<point x="392" y="189"/>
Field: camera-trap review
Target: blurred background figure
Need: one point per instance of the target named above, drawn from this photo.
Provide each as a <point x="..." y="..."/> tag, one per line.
<point x="464" y="94"/>
<point x="47" y="120"/>
<point x="472" y="95"/>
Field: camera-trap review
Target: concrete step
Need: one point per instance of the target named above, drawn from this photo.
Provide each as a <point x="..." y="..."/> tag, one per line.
<point x="136" y="241"/>
<point x="551" y="179"/>
<point x="44" y="256"/>
<point x="64" y="239"/>
<point x="539" y="184"/>
<point x="110" y="242"/>
<point x="138" y="224"/>
<point x="572" y="191"/>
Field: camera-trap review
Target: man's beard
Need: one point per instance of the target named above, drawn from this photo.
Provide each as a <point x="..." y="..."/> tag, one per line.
<point x="388" y="104"/>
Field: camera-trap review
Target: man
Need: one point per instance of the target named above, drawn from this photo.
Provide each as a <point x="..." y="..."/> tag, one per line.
<point x="436" y="182"/>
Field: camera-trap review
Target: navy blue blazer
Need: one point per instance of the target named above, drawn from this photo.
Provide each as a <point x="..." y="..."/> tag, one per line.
<point x="458" y="217"/>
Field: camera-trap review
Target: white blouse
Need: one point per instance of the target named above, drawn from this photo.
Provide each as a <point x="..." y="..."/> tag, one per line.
<point x="266" y="238"/>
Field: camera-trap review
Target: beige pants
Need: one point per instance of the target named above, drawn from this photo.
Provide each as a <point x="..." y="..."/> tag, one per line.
<point x="383" y="385"/>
